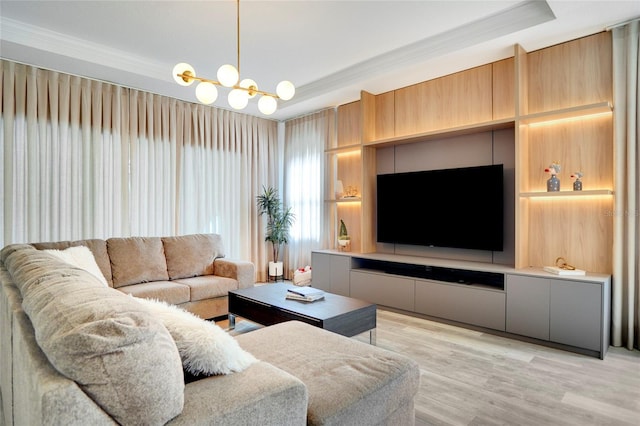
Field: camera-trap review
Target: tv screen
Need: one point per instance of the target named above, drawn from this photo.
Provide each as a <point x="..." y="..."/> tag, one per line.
<point x="459" y="208"/>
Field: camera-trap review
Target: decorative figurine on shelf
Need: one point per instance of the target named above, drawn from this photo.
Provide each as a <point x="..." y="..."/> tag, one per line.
<point x="553" y="183"/>
<point x="351" y="192"/>
<point x="344" y="241"/>
<point x="577" y="184"/>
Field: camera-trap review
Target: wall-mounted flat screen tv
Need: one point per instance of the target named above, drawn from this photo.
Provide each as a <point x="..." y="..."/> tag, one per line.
<point x="459" y="208"/>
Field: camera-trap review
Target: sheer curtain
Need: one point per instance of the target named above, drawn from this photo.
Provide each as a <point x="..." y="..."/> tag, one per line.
<point x="86" y="159"/>
<point x="626" y="290"/>
<point x="305" y="141"/>
<point x="64" y="173"/>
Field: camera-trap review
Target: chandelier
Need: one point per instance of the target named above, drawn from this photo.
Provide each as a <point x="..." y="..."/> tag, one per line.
<point x="228" y="76"/>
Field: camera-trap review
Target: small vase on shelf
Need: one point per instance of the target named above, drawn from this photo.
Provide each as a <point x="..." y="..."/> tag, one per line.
<point x="553" y="184"/>
<point x="577" y="184"/>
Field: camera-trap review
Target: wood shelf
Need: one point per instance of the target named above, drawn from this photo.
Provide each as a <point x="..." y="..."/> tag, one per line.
<point x="343" y="149"/>
<point x="566" y="193"/>
<point x="567" y="113"/>
<point x="487" y="126"/>
<point x="345" y="200"/>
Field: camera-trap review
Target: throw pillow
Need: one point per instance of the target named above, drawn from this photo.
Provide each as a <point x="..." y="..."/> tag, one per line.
<point x="204" y="347"/>
<point x="80" y="257"/>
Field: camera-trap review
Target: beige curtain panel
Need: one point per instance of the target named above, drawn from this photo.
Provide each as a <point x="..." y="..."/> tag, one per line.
<point x="626" y="290"/>
<point x="87" y="159"/>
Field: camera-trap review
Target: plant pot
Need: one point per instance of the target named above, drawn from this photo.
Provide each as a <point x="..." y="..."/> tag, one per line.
<point x="275" y="269"/>
<point x="344" y="245"/>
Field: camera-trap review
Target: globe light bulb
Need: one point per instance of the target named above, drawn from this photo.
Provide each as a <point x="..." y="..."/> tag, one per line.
<point x="267" y="105"/>
<point x="206" y="93"/>
<point x="238" y="99"/>
<point x="228" y="75"/>
<point x="183" y="68"/>
<point x="285" y="90"/>
<point x="247" y="83"/>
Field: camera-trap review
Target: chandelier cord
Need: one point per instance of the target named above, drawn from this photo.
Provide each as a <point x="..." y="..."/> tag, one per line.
<point x="238" y="32"/>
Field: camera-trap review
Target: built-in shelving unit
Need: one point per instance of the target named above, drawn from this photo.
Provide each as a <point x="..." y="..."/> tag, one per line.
<point x="557" y="100"/>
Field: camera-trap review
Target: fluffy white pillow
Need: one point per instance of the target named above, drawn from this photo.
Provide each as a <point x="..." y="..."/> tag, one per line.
<point x="204" y="347"/>
<point x="80" y="257"/>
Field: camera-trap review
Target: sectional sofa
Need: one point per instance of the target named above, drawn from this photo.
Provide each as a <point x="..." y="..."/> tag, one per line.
<point x="75" y="349"/>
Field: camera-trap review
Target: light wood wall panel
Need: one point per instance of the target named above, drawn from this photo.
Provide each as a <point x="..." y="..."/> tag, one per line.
<point x="385" y="115"/>
<point x="454" y="100"/>
<point x="576" y="228"/>
<point x="348" y="169"/>
<point x="349" y="124"/>
<point x="504" y="85"/>
<point x="584" y="145"/>
<point x="351" y="213"/>
<point x="569" y="74"/>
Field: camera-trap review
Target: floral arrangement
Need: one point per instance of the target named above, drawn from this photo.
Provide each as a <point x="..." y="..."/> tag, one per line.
<point x="577" y="175"/>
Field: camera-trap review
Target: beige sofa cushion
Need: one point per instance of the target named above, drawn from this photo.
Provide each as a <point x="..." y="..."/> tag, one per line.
<point x="114" y="348"/>
<point x="192" y="255"/>
<point x="98" y="248"/>
<point x="136" y="260"/>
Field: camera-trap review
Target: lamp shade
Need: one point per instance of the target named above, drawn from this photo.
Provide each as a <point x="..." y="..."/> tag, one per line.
<point x="238" y="99"/>
<point x="247" y="83"/>
<point x="267" y="105"/>
<point x="183" y="68"/>
<point x="206" y="93"/>
<point x="228" y="75"/>
<point x="285" y="90"/>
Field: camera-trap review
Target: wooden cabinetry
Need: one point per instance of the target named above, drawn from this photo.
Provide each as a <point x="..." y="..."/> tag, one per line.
<point x="570" y="312"/>
<point x="557" y="100"/>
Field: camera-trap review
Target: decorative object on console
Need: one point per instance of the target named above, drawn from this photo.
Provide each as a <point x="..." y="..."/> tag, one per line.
<point x="577" y="183"/>
<point x="553" y="183"/>
<point x="344" y="241"/>
<point x="228" y="76"/>
<point x="563" y="268"/>
<point x="279" y="219"/>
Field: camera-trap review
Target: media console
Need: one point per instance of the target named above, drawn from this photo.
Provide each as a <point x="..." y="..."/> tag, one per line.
<point x="569" y="312"/>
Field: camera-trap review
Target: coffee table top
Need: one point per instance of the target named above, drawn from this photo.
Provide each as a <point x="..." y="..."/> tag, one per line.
<point x="274" y="295"/>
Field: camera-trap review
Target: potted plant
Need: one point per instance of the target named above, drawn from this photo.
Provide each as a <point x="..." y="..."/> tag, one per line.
<point x="279" y="220"/>
<point x="343" y="237"/>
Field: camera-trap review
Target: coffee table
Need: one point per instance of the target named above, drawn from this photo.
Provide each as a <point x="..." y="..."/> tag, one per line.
<point x="267" y="305"/>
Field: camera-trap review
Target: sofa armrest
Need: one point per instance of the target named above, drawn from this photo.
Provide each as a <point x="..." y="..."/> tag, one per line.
<point x="240" y="270"/>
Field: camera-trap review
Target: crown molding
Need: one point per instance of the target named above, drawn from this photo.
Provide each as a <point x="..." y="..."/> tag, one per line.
<point x="61" y="44"/>
<point x="519" y="17"/>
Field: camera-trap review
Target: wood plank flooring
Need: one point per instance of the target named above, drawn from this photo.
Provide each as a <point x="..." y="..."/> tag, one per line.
<point x="473" y="378"/>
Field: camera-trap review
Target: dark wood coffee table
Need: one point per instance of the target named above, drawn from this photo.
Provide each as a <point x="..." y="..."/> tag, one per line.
<point x="267" y="305"/>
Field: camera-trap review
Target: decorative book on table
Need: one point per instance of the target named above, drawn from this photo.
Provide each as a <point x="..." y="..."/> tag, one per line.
<point x="307" y="294"/>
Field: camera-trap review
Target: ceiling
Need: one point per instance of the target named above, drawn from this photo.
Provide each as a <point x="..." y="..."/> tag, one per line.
<point x="331" y="50"/>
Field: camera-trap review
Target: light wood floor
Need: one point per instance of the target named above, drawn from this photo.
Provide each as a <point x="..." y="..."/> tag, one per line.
<point x="473" y="378"/>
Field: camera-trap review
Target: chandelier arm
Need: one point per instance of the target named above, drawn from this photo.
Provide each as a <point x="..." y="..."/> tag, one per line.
<point x="188" y="77"/>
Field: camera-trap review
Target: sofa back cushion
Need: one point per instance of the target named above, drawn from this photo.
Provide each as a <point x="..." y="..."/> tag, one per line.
<point x="192" y="255"/>
<point x="136" y="260"/>
<point x="97" y="247"/>
<point x="110" y="345"/>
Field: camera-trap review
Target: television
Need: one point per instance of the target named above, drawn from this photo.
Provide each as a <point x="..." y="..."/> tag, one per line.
<point x="459" y="208"/>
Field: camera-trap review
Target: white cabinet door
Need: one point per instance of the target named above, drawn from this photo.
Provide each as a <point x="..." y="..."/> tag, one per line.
<point x="528" y="306"/>
<point x="576" y="313"/>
